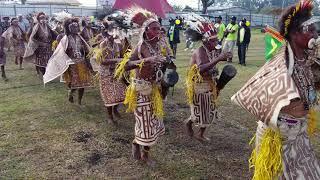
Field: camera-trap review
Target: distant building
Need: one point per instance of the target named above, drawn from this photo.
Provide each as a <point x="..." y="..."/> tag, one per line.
<point x="188" y="9"/>
<point x="2" y="2"/>
<point x="54" y="2"/>
<point x="105" y="3"/>
<point x="227" y="9"/>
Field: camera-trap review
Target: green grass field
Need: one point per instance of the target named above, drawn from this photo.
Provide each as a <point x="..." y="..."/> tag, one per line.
<point x="40" y="129"/>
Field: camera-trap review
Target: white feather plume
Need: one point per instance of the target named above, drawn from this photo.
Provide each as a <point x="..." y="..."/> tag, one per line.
<point x="61" y="16"/>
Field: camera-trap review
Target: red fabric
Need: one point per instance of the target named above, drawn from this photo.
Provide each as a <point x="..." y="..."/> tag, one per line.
<point x="159" y="7"/>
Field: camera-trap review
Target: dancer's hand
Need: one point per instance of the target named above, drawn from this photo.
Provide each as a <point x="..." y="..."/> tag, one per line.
<point x="154" y="59"/>
<point x="224" y="56"/>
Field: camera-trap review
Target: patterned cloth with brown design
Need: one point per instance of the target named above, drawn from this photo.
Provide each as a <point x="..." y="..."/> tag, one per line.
<point x="112" y="91"/>
<point x="268" y="91"/>
<point x="148" y="128"/>
<point x="203" y="109"/>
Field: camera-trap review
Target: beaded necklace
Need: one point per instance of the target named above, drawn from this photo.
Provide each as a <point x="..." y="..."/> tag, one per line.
<point x="214" y="71"/>
<point x="153" y="52"/>
<point x="303" y="78"/>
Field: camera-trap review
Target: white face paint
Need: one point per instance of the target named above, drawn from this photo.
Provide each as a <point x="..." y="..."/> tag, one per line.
<point x="218" y="46"/>
<point x="311" y="43"/>
<point x="117" y="41"/>
<point x="314" y="50"/>
<point x="43" y="21"/>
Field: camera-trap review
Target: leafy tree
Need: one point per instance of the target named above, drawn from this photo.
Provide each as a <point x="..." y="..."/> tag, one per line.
<point x="206" y="4"/>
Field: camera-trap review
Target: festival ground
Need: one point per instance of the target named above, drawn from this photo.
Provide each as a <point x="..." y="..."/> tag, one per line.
<point x="42" y="135"/>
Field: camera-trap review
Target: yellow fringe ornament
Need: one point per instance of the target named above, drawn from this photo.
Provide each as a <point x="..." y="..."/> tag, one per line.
<point x="312" y="122"/>
<point x="97" y="53"/>
<point x="164" y="51"/>
<point x="131" y="98"/>
<point x="54" y="45"/>
<point x="120" y="68"/>
<point x="267" y="158"/>
<point x="84" y="74"/>
<point x="96" y="79"/>
<point x="157" y="102"/>
<point x="193" y="76"/>
<point x="140" y="65"/>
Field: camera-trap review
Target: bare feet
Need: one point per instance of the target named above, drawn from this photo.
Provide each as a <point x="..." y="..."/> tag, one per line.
<point x="145" y="156"/>
<point x="136" y="154"/>
<point x="202" y="138"/>
<point x="189" y="128"/>
<point x="5" y="79"/>
<point x="70" y="97"/>
<point x="112" y="121"/>
<point x="116" y="113"/>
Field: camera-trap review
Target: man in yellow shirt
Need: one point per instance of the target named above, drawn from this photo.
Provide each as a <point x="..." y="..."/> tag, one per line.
<point x="221" y="28"/>
<point x="231" y="36"/>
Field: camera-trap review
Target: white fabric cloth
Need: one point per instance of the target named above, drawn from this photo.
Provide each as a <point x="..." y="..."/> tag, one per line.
<point x="59" y="62"/>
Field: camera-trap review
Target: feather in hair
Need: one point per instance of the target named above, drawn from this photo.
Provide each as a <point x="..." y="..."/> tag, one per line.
<point x="139" y="16"/>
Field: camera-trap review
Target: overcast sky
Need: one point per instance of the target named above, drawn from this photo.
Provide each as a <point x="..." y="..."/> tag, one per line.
<point x="183" y="3"/>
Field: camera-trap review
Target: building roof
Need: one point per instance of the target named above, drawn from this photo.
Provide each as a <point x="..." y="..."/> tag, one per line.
<point x="10" y="2"/>
<point x="223" y="8"/>
<point x="54" y="2"/>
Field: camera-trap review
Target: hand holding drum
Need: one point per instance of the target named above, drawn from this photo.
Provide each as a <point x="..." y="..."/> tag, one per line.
<point x="228" y="73"/>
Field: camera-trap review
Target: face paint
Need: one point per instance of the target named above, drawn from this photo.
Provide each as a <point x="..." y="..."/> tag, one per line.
<point x="153" y="32"/>
<point x="74" y="28"/>
<point x="117" y="41"/>
<point x="15" y="22"/>
<point x="43" y="21"/>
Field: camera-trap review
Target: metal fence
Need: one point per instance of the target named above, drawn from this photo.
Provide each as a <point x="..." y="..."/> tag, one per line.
<point x="256" y="20"/>
<point x="14" y="10"/>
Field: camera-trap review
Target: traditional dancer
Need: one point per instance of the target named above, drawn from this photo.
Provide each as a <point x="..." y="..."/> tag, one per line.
<point x="143" y="94"/>
<point x="2" y="57"/>
<point x="86" y="32"/>
<point x="39" y="48"/>
<point x="202" y="90"/>
<point x="112" y="91"/>
<point x="282" y="96"/>
<point x="15" y="36"/>
<point x="69" y="60"/>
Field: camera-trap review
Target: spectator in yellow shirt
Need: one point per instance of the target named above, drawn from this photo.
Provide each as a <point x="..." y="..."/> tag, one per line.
<point x="230" y="36"/>
<point x="221" y="28"/>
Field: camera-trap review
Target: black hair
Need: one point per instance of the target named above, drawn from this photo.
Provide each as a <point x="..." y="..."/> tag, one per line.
<point x="39" y="14"/>
<point x="67" y="23"/>
<point x="83" y="23"/>
<point x="13" y="19"/>
<point x="194" y="35"/>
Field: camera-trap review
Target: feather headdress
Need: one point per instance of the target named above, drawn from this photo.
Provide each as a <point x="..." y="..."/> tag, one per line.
<point x="115" y="23"/>
<point x="296" y="16"/>
<point x="199" y="28"/>
<point x="139" y="17"/>
<point x="62" y="16"/>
